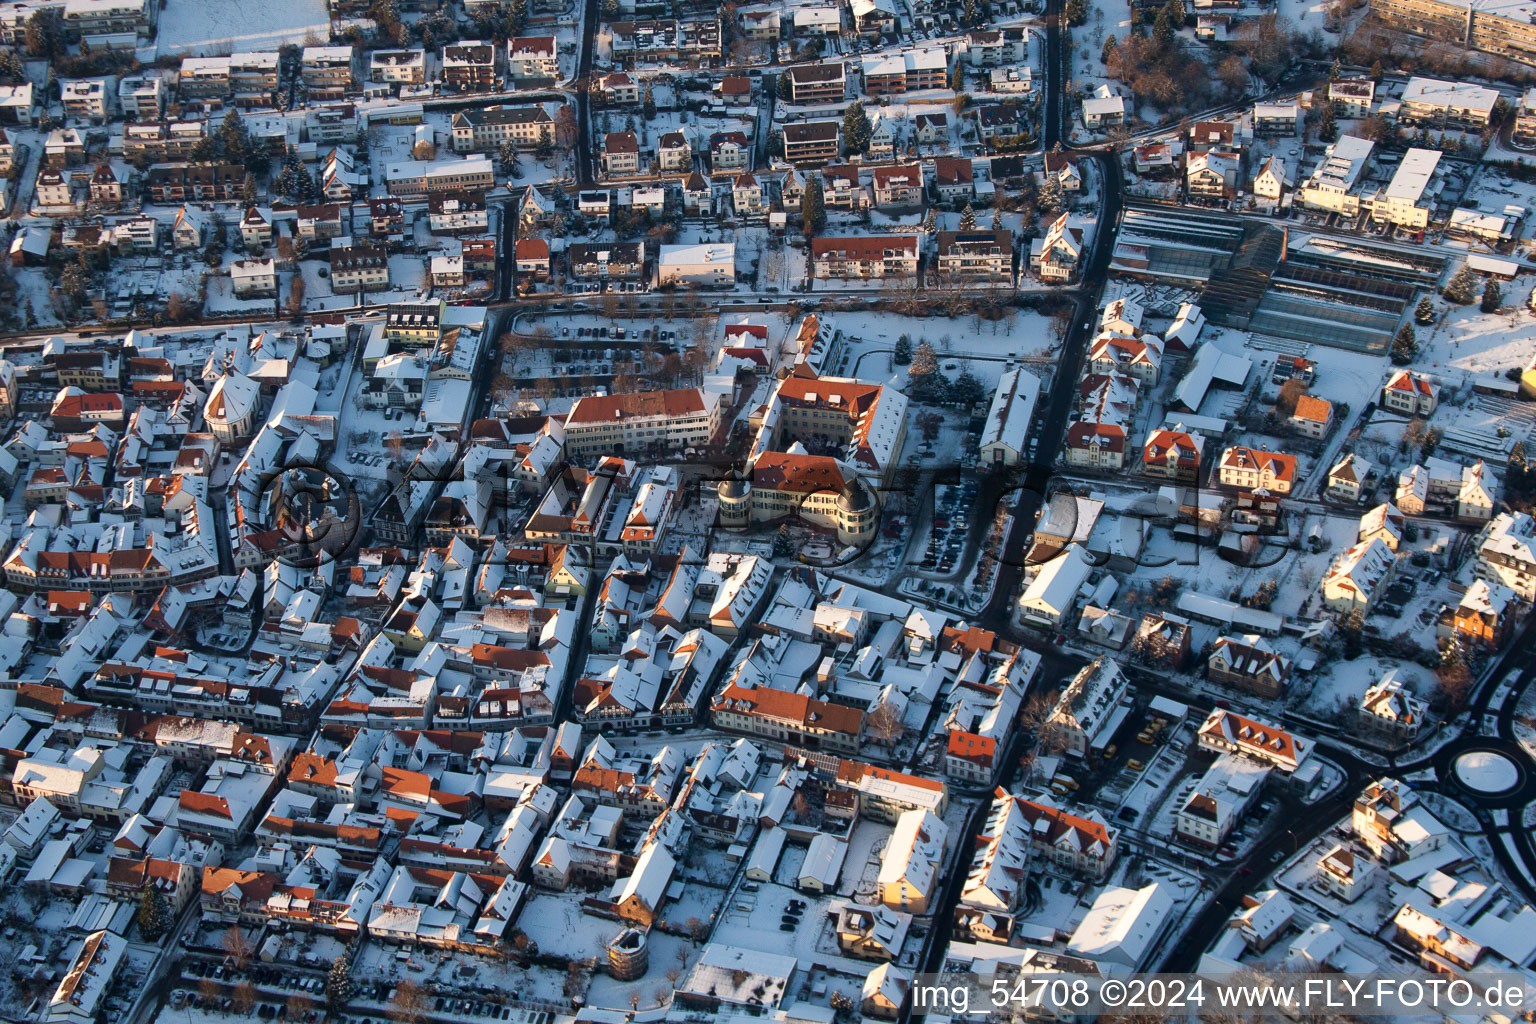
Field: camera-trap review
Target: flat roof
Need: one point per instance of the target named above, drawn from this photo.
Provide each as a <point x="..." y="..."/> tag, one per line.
<point x="1413" y="175"/>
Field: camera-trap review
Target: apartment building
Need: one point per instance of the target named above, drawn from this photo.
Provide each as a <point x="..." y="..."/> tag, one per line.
<point x="1475" y="24"/>
<point x="811" y="84"/>
<point x="359" y="268"/>
<point x="900" y="73"/>
<point x="605" y="261"/>
<point x="1352" y="97"/>
<point x="616" y="424"/>
<point x="487" y="129"/>
<point x="975" y="255"/>
<point x="421" y="177"/>
<point x="203" y="78"/>
<point x="863" y="258"/>
<point x="1506" y="553"/>
<point x="141" y="97"/>
<point x="1407" y="200"/>
<point x="111" y="24"/>
<point x="87" y="99"/>
<point x="990" y="48"/>
<point x="457" y="213"/>
<point x="533" y="57"/>
<point x="1430" y="101"/>
<point x="812" y="143"/>
<point x="328" y="72"/>
<point x="1524" y="131"/>
<point x="1173" y="454"/>
<point x="621" y="154"/>
<point x="253" y="78"/>
<point x="469" y="66"/>
<point x="398" y="67"/>
<point x="1331" y="188"/>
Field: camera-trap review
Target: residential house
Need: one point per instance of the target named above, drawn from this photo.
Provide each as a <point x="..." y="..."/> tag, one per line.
<point x="1248" y="662"/>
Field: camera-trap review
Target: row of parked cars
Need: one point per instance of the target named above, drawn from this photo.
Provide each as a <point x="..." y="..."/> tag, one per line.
<point x="951" y="520"/>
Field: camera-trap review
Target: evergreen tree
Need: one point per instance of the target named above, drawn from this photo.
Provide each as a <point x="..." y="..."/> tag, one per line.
<point x="957" y="78"/>
<point x="1077" y="12"/>
<point x="1424" y="314"/>
<point x="1049" y="200"/>
<point x="1111" y="47"/>
<point x="970" y="13"/>
<point x="44" y="34"/>
<point x="648" y="108"/>
<point x="1493" y="296"/>
<point x="1163" y="32"/>
<point x="1376" y="72"/>
<point x="1327" y="127"/>
<point x="967" y="218"/>
<point x="1335" y="71"/>
<point x="154" y="913"/>
<point x="903" y="353"/>
<point x="234" y="140"/>
<point x="856" y="128"/>
<point x="1176" y="12"/>
<point x="924" y="382"/>
<point x="206" y="151"/>
<point x="384" y="13"/>
<point x="813" y="206"/>
<point x="967" y="389"/>
<point x="1350" y="634"/>
<point x="287" y="183"/>
<point x="517" y="15"/>
<point x="338" y="984"/>
<point x="1517" y="461"/>
<point x="1462" y="289"/>
<point x="1404" y="346"/>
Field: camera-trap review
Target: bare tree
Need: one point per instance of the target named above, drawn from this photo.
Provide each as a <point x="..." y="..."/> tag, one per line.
<point x="409" y="1003"/>
<point x="296" y="295"/>
<point x="885" y="724"/>
<point x="237" y="946"/>
<point x="243" y="999"/>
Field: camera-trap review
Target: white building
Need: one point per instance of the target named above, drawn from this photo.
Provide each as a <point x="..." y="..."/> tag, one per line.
<point x="1123" y="926"/>
<point x="1048" y="600"/>
<point x="1089" y="711"/>
<point x="708" y="265"/>
<point x="1407" y="200"/>
<point x="1222" y="796"/>
<point x="1331" y="188"/>
<point x="1004" y="439"/>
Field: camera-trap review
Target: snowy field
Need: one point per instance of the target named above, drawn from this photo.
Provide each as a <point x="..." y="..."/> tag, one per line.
<point x="1466" y="339"/>
<point x="211" y="27"/>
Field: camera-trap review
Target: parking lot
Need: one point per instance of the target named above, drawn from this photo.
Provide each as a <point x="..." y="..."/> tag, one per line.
<point x="946" y="537"/>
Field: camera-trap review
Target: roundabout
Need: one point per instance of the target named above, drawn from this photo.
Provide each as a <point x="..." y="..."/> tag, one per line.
<point x="1486" y="771"/>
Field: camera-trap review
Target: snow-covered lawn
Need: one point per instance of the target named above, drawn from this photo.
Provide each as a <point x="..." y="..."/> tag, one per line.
<point x="1468" y="340"/>
<point x="228" y="26"/>
<point x="556" y="922"/>
<point x="1336" y="689"/>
